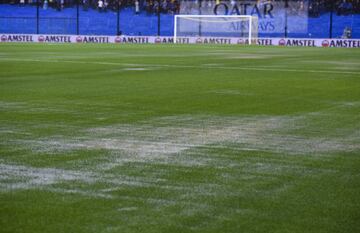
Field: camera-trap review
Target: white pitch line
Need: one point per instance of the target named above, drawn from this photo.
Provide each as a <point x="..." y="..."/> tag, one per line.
<point x="186" y="66"/>
<point x="285" y="70"/>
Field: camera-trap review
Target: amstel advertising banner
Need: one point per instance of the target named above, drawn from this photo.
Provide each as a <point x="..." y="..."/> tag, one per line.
<point x="304" y="42"/>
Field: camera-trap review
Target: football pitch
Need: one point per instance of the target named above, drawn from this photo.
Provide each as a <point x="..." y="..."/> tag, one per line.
<point x="185" y="138"/>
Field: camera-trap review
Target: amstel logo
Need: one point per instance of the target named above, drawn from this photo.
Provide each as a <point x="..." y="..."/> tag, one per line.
<point x="241" y="41"/>
<point x="3" y="38"/>
<point x="282" y="42"/>
<point x="325" y="43"/>
<point x="118" y="39"/>
<point x="41" y="38"/>
<point x="79" y="39"/>
<point x="157" y="40"/>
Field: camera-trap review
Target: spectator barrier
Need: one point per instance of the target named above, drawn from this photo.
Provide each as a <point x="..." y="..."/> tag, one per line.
<point x="303" y="42"/>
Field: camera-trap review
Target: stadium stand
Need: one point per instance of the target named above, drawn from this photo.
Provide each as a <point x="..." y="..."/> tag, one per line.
<point x="336" y="19"/>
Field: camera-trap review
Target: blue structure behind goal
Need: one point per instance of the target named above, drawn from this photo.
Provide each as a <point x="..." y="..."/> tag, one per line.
<point x="30" y="18"/>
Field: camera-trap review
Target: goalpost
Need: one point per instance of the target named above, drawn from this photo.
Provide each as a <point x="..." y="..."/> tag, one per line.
<point x="216" y="26"/>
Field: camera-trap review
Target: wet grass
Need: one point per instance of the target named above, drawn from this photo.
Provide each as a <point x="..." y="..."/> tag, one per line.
<point x="185" y="138"/>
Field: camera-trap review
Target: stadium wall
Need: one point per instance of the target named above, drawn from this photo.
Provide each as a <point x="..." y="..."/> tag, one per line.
<point x="280" y="18"/>
<point x="302" y="42"/>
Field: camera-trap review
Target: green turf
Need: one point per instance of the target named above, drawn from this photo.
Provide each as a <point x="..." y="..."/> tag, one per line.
<point x="185" y="138"/>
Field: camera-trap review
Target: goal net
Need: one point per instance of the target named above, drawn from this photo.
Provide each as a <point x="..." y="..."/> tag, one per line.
<point x="243" y="27"/>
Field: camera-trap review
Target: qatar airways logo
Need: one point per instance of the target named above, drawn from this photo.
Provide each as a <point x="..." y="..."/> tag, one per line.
<point x="259" y="10"/>
<point x="3" y="38"/>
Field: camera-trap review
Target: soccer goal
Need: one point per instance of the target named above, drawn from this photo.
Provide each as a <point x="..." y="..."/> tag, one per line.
<point x="243" y="27"/>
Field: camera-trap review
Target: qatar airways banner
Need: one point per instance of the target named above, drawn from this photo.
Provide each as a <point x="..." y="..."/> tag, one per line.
<point x="303" y="42"/>
<point x="273" y="16"/>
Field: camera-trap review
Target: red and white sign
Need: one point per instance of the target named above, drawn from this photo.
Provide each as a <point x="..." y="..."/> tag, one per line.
<point x="282" y="42"/>
<point x="41" y="38"/>
<point x="79" y="39"/>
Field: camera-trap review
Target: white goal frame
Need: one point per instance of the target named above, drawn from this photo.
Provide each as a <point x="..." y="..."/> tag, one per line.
<point x="249" y="17"/>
